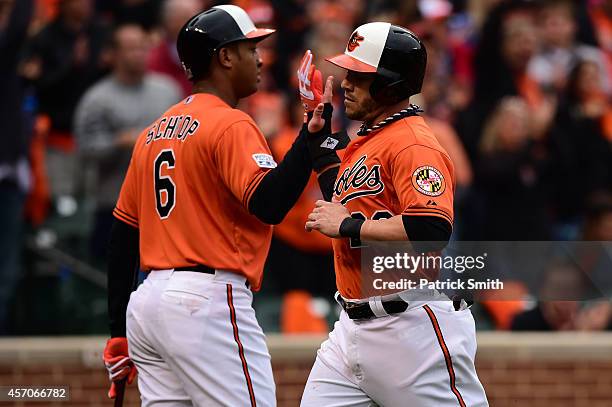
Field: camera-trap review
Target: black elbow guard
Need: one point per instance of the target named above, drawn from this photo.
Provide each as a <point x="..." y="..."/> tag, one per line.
<point x="259" y="205"/>
<point x="427" y="233"/>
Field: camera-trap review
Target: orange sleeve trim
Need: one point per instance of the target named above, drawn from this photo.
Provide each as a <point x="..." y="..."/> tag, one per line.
<point x="127" y="215"/>
<point x="441" y="211"/>
<point x="428" y="212"/>
<point x="122" y="218"/>
<point x="251" y="188"/>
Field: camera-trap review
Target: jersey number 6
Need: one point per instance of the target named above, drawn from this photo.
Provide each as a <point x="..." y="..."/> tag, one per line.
<point x="165" y="189"/>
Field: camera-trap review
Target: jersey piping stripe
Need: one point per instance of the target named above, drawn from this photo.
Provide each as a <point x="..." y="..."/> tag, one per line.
<point x="127" y="215"/>
<point x="245" y="367"/>
<point x="251" y="187"/>
<point x="124" y="219"/>
<point x="428" y="212"/>
<point x="447" y="356"/>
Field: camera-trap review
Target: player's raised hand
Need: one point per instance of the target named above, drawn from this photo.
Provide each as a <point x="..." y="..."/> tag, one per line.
<point x="317" y="116"/>
<point x="327" y="217"/>
<point x="311" y="83"/>
<point x="318" y="121"/>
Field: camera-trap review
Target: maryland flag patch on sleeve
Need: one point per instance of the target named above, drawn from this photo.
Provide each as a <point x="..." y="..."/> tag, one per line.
<point x="429" y="181"/>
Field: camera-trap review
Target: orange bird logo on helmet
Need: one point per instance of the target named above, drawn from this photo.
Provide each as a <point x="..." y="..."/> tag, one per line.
<point x="354" y="41"/>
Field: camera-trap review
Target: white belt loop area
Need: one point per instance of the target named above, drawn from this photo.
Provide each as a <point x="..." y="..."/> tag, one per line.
<point x="376" y="306"/>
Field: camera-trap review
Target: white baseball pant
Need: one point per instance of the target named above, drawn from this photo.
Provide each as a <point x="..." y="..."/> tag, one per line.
<point x="423" y="357"/>
<point x="195" y="340"/>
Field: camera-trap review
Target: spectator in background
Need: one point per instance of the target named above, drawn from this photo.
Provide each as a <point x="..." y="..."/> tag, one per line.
<point x="291" y="23"/>
<point x="560" y="307"/>
<point x="507" y="43"/>
<point x="560" y="51"/>
<point x="110" y="117"/>
<point x="14" y="175"/>
<point x="581" y="146"/>
<point x="477" y="11"/>
<point x="582" y="274"/>
<point x="267" y="108"/>
<point x="164" y="57"/>
<point x="332" y="24"/>
<point x="598" y="227"/>
<point x="511" y="170"/>
<point x="449" y="86"/>
<point x="401" y="12"/>
<point x="144" y="13"/>
<point x="63" y="60"/>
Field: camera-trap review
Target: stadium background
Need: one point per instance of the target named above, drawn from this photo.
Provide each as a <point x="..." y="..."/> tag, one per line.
<point x="517" y="91"/>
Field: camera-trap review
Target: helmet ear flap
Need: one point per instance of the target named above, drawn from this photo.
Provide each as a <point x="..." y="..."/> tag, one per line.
<point x="199" y="67"/>
<point x="388" y="92"/>
<point x="195" y="53"/>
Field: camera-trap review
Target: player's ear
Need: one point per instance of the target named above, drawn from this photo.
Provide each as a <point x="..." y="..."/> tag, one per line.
<point x="227" y="56"/>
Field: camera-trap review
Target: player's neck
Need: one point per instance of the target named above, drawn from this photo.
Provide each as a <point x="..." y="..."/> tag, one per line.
<point x="389" y="111"/>
<point x="224" y="93"/>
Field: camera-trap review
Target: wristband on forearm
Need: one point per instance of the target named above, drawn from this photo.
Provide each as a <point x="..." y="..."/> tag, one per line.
<point x="322" y="145"/>
<point x="351" y="227"/>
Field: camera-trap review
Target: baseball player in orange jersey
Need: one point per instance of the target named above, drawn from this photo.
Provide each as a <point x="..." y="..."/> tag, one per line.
<point x="195" y="210"/>
<point x="395" y="183"/>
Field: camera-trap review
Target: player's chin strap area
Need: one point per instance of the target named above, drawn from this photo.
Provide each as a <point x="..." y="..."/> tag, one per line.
<point x="412" y="110"/>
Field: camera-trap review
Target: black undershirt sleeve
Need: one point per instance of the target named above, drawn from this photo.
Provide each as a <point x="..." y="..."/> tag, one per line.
<point x="326" y="180"/>
<point x="123" y="264"/>
<point x="281" y="187"/>
<point x="427" y="233"/>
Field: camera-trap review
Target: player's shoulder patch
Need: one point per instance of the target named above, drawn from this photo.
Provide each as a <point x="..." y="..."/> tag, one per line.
<point x="429" y="181"/>
<point x="264" y="160"/>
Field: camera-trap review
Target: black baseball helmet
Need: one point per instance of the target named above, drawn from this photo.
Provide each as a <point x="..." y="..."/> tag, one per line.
<point x="395" y="54"/>
<point x="205" y="33"/>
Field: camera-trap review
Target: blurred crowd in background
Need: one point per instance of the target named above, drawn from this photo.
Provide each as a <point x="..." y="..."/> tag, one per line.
<point x="518" y="92"/>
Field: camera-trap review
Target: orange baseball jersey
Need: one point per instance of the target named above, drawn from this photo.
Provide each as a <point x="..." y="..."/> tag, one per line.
<point x="398" y="170"/>
<point x="188" y="186"/>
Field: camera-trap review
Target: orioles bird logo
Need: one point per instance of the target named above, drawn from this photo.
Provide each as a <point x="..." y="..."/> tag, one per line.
<point x="354" y="41"/>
